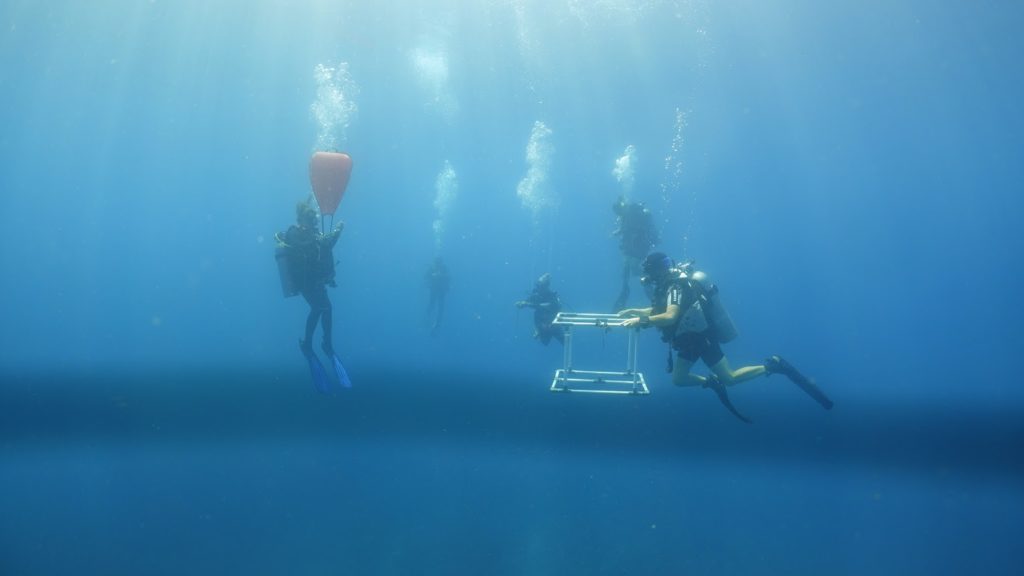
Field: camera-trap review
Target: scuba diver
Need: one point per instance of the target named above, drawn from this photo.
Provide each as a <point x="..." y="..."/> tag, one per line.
<point x="546" y="305"/>
<point x="438" y="281"/>
<point x="637" y="236"/>
<point x="306" y="264"/>
<point x="686" y="308"/>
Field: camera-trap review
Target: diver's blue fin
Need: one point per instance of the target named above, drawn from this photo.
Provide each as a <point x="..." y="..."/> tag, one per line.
<point x="316" y="369"/>
<point x="338" y="368"/>
<point x="340" y="371"/>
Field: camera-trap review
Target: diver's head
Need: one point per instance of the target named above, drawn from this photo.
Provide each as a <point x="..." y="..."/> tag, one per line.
<point x="544" y="281"/>
<point x="655" y="267"/>
<point x="305" y="214"/>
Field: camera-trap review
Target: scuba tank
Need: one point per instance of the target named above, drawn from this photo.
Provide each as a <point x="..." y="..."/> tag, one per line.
<point x="287" y="266"/>
<point x="693" y="319"/>
<point x="714" y="310"/>
<point x="286" y="269"/>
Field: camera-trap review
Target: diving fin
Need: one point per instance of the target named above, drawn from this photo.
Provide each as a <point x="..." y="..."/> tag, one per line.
<point x="712" y="381"/>
<point x="316" y="369"/>
<point x="777" y="365"/>
<point x="343" y="378"/>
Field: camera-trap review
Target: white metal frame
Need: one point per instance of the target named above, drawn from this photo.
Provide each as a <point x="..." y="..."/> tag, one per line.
<point x="570" y="379"/>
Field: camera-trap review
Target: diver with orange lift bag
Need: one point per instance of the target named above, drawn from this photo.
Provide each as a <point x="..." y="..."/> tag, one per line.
<point x="305" y="260"/>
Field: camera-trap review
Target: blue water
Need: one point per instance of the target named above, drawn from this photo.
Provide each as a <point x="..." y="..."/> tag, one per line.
<point x="848" y="173"/>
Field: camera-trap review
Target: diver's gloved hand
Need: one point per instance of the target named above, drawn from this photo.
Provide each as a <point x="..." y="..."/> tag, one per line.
<point x="521" y="304"/>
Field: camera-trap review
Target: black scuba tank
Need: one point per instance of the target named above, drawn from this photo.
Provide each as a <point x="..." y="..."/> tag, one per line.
<point x="717" y="316"/>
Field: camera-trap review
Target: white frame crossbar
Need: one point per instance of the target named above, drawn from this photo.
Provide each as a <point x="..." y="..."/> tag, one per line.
<point x="570" y="379"/>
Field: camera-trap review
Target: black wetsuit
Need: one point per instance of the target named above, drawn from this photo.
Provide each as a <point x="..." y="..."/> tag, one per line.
<point x="312" y="266"/>
<point x="546" y="306"/>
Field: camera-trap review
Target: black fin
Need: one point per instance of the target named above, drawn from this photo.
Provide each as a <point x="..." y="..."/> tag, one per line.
<point x="811" y="388"/>
<point x="779" y="365"/>
<point x="719" y="389"/>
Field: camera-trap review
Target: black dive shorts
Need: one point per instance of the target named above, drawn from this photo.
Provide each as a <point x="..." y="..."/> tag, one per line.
<point x="692" y="345"/>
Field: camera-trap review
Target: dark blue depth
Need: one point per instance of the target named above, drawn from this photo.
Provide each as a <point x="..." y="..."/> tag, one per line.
<point x="412" y="473"/>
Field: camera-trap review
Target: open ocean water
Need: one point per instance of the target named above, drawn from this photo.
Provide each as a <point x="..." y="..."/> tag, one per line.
<point x="240" y="473"/>
<point x="847" y="173"/>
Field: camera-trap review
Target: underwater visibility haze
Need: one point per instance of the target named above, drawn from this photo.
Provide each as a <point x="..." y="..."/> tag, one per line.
<point x="847" y="174"/>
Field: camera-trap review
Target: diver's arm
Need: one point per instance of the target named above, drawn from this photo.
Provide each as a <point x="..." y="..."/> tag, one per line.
<point x="647" y="319"/>
<point x="534" y="300"/>
<point x="331" y="238"/>
<point x="638" y="316"/>
<point x="669" y="316"/>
